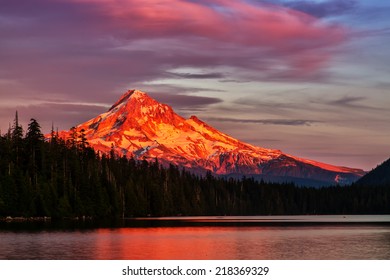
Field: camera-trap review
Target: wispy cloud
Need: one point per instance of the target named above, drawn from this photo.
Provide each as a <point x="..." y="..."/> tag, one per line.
<point x="347" y="101"/>
<point x="353" y="102"/>
<point x="64" y="115"/>
<point x="197" y="75"/>
<point x="289" y="122"/>
<point x="323" y="8"/>
<point x="186" y="101"/>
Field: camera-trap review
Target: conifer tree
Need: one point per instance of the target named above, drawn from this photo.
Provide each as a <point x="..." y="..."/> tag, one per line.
<point x="34" y="142"/>
<point x="34" y="134"/>
<point x="17" y="130"/>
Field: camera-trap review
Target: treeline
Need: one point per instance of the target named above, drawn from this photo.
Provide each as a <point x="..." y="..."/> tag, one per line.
<point x="66" y="178"/>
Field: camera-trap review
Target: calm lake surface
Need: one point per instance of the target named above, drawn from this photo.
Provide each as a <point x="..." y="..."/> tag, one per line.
<point x="268" y="237"/>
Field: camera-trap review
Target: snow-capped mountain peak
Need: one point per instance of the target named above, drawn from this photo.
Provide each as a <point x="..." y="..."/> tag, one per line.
<point x="138" y="126"/>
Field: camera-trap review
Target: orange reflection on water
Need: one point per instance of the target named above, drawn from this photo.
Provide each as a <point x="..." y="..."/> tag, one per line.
<point x="167" y="243"/>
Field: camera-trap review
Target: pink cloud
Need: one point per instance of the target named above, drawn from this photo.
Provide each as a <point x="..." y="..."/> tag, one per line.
<point x="303" y="43"/>
<point x="237" y="22"/>
<point x="101" y="45"/>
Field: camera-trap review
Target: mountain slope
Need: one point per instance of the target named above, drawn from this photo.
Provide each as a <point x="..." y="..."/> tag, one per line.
<point x="138" y="126"/>
<point x="378" y="176"/>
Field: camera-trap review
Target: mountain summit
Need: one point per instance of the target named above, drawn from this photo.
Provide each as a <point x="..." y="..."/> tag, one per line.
<point x="140" y="127"/>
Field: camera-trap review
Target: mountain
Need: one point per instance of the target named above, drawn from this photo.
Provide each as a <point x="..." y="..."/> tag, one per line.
<point x="140" y="127"/>
<point x="379" y="176"/>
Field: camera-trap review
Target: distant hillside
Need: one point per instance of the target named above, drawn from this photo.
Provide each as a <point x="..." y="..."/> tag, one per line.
<point x="378" y="176"/>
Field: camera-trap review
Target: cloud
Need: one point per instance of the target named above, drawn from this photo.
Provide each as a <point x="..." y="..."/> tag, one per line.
<point x="62" y="115"/>
<point x="221" y="21"/>
<point x="197" y="75"/>
<point x="213" y="31"/>
<point x="354" y="102"/>
<point x="185" y="101"/>
<point x="94" y="50"/>
<point x="347" y="101"/>
<point x="288" y="122"/>
<point x="323" y="9"/>
<point x="80" y="46"/>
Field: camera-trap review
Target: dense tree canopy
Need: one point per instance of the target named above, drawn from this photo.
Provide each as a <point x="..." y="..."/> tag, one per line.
<point x="66" y="178"/>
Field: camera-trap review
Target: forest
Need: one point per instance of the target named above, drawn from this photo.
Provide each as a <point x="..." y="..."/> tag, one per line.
<point x="60" y="178"/>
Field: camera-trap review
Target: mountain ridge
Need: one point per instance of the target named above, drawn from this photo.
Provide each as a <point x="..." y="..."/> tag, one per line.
<point x="139" y="126"/>
<point x="379" y="176"/>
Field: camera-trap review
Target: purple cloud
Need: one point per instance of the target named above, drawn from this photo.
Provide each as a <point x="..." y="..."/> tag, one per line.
<point x="82" y="42"/>
<point x="320" y="9"/>
<point x="93" y="50"/>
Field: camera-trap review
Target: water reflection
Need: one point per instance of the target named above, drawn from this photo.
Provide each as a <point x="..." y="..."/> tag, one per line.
<point x="167" y="243"/>
<point x="243" y="243"/>
<point x="324" y="241"/>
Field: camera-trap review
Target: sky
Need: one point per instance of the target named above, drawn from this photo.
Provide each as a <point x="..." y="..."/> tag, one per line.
<point x="311" y="78"/>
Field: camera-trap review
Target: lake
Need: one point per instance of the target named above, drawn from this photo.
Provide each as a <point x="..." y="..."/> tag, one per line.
<point x="205" y="238"/>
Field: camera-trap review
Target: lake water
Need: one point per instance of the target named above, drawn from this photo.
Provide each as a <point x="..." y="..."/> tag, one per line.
<point x="206" y="238"/>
